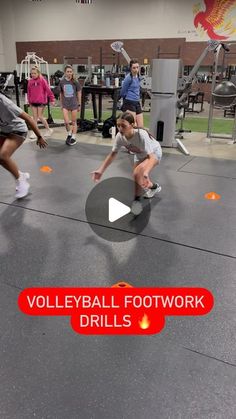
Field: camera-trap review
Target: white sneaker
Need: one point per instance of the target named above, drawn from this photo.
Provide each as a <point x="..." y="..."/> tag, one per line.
<point x="71" y="141"/>
<point x="22" y="185"/>
<point x="156" y="188"/>
<point x="33" y="136"/>
<point x="23" y="175"/>
<point x="48" y="132"/>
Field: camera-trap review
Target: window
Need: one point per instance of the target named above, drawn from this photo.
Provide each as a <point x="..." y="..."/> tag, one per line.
<point x="84" y="1"/>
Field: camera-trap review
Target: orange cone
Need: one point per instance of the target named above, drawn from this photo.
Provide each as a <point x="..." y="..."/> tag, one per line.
<point x="122" y="284"/>
<point x="46" y="169"/>
<point x="212" y="196"/>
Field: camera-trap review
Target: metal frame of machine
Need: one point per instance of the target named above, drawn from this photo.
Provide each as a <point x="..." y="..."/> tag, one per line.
<point x="172" y="100"/>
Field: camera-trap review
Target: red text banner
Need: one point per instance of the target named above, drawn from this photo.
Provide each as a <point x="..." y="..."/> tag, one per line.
<point x="116" y="310"/>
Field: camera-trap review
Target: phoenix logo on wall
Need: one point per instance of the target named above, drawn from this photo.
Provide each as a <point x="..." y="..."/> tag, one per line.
<point x="215" y="18"/>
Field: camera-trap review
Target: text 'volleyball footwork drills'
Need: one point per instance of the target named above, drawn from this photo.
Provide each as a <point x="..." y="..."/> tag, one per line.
<point x="116" y="311"/>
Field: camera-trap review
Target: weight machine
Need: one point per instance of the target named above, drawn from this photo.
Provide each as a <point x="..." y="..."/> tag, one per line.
<point x="223" y="96"/>
<point x="6" y="79"/>
<point x="169" y="93"/>
<point x="26" y="64"/>
<point x="117" y="46"/>
<point x="30" y="60"/>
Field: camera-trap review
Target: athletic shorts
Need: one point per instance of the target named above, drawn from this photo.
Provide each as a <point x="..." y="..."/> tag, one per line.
<point x="157" y="153"/>
<point x="19" y="135"/>
<point x="131" y="105"/>
<point x="38" y="105"/>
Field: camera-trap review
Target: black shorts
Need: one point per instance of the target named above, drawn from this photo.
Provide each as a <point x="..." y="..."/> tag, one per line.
<point x="131" y="105"/>
<point x="38" y="105"/>
<point x="19" y="135"/>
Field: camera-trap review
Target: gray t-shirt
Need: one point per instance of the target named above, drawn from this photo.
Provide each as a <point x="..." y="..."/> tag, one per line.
<point x="9" y="116"/>
<point x="140" y="144"/>
<point x="69" y="89"/>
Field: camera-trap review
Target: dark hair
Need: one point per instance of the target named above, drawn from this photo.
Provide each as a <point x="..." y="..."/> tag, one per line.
<point x="133" y="61"/>
<point x="70" y="66"/>
<point x="129" y="117"/>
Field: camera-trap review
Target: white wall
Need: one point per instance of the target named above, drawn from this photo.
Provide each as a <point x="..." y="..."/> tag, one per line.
<point x="53" y="20"/>
<point x="7" y="25"/>
<point x="104" y="19"/>
<point x="2" y="55"/>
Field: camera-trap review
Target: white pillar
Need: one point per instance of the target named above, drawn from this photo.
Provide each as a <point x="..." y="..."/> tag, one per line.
<point x="7" y="36"/>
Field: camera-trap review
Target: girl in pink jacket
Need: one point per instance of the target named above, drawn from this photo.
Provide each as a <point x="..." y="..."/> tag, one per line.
<point x="38" y="92"/>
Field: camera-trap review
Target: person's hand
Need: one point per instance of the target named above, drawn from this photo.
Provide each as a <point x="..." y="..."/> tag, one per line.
<point x="96" y="175"/>
<point x="41" y="142"/>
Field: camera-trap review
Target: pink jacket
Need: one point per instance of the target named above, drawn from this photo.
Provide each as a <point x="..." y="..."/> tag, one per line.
<point x="38" y="91"/>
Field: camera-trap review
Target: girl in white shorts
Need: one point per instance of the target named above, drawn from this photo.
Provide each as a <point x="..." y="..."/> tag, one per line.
<point x="147" y="154"/>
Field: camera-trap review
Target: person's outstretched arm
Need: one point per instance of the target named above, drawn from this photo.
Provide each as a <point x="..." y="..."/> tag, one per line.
<point x="97" y="174"/>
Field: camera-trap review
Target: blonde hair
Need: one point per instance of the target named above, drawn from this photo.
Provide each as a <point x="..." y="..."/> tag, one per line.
<point x="35" y="67"/>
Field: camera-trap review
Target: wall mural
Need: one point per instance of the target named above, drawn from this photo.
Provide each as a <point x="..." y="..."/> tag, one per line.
<point x="215" y="18"/>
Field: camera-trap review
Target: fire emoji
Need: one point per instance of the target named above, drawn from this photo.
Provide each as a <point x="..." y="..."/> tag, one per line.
<point x="144" y="323"/>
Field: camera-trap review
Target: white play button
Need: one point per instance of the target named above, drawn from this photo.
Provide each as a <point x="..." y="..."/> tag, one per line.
<point x="111" y="213"/>
<point x="117" y="210"/>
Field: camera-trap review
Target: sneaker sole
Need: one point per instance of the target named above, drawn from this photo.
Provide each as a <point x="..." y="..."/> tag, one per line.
<point x="71" y="145"/>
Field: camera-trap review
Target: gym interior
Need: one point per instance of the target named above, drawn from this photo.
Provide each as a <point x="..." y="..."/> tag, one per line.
<point x="59" y="236"/>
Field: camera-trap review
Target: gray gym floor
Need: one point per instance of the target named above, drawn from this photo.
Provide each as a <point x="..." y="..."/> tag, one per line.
<point x="50" y="372"/>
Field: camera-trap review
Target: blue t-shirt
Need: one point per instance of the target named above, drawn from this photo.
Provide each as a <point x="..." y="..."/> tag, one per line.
<point x="131" y="88"/>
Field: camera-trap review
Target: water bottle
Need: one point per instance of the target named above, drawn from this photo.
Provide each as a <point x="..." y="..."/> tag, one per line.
<point x="113" y="132"/>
